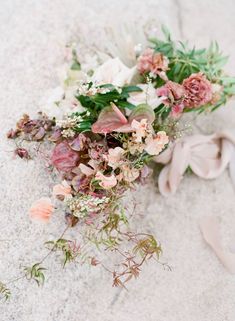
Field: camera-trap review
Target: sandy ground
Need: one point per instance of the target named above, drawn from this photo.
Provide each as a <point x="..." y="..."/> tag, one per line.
<point x="32" y="36"/>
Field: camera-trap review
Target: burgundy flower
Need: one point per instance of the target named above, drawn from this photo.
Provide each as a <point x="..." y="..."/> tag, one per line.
<point x="64" y="158"/>
<point x="55" y="135"/>
<point x="22" y="153"/>
<point x="198" y="90"/>
<point x="80" y="142"/>
<point x="12" y="134"/>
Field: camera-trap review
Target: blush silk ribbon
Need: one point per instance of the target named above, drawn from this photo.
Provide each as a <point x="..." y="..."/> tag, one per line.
<point x="210" y="228"/>
<point x="207" y="156"/>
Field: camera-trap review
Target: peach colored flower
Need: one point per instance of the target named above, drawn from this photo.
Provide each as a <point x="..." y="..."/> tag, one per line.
<point x="151" y="61"/>
<point x="114" y="156"/>
<point x="106" y="182"/>
<point x="129" y="174"/>
<point x="154" y="145"/>
<point x="198" y="90"/>
<point x="62" y="189"/>
<point x="140" y="128"/>
<point x="42" y="209"/>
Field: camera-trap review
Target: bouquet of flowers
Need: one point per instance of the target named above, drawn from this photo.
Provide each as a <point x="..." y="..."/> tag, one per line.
<point x="109" y="124"/>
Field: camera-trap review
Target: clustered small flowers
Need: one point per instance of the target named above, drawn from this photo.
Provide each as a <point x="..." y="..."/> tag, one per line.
<point x="83" y="205"/>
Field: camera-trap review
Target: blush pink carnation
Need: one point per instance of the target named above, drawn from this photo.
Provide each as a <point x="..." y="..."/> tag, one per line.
<point x="151" y="61"/>
<point x="198" y="90"/>
<point x="172" y="91"/>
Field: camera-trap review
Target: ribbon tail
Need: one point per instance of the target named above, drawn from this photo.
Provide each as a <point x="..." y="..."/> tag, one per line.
<point x="232" y="167"/>
<point x="210" y="229"/>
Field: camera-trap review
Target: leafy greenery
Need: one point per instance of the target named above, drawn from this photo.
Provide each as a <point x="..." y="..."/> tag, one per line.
<point x="5" y="293"/>
<point x="36" y="273"/>
<point x="101" y="100"/>
<point x="64" y="246"/>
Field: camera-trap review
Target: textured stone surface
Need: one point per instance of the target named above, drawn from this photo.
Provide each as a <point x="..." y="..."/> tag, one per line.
<point x="32" y="36"/>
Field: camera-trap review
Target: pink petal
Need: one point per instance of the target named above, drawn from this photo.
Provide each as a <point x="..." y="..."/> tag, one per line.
<point x="110" y="119"/>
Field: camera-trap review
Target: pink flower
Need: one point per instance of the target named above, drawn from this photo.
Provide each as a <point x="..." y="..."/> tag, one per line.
<point x="154" y="145"/>
<point x="86" y="170"/>
<point x="114" y="156"/>
<point x="151" y="61"/>
<point x="63" y="189"/>
<point x="140" y="128"/>
<point x="198" y="90"/>
<point x="129" y="174"/>
<point x="111" y="119"/>
<point x="64" y="158"/>
<point x="176" y="110"/>
<point x="41" y="209"/>
<point x="172" y="92"/>
<point x="106" y="182"/>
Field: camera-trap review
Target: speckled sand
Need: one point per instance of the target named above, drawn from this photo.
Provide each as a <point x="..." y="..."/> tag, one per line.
<point x="32" y="35"/>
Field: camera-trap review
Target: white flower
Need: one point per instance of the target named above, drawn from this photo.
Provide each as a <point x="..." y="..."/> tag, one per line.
<point x="113" y="72"/>
<point x="148" y="96"/>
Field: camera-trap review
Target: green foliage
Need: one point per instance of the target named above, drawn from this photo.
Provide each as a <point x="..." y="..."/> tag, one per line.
<point x="36" y="273"/>
<point x="75" y="63"/>
<point x="99" y="101"/>
<point x="64" y="246"/>
<point x="148" y="246"/>
<point x="5" y="293"/>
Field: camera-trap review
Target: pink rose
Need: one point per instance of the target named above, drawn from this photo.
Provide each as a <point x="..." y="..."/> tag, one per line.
<point x="41" y="209"/>
<point x="151" y="61"/>
<point x="64" y="158"/>
<point x="198" y="90"/>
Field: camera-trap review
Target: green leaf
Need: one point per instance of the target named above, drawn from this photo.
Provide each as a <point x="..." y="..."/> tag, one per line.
<point x="75" y="66"/>
<point x="5" y="293"/>
<point x="126" y="104"/>
<point x="166" y="33"/>
<point x="142" y="111"/>
<point x="35" y="273"/>
<point x="130" y="89"/>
